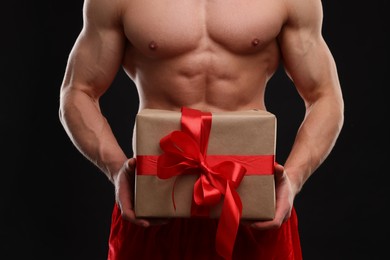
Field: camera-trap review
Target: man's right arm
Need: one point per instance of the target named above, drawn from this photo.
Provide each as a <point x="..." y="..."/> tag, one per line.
<point x="92" y="65"/>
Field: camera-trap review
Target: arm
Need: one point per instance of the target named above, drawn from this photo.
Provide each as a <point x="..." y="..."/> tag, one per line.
<point x="91" y="68"/>
<point x="310" y="65"/>
<point x="92" y="65"/>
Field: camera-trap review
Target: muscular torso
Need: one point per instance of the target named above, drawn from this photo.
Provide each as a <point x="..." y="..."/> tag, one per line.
<point x="211" y="55"/>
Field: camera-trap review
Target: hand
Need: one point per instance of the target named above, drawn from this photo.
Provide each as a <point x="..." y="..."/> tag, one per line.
<point x="284" y="202"/>
<point x="124" y="194"/>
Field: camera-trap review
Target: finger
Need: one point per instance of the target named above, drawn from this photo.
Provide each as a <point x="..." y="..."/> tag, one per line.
<point x="127" y="192"/>
<point x="279" y="169"/>
<point x="264" y="225"/>
<point x="129" y="215"/>
<point x="127" y="211"/>
<point x="130" y="165"/>
<point x="247" y="222"/>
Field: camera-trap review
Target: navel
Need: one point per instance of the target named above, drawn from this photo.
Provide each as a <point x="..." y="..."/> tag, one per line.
<point x="255" y="42"/>
<point x="153" y="45"/>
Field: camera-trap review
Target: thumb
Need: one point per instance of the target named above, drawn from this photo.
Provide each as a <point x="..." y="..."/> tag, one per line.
<point x="279" y="170"/>
<point x="130" y="165"/>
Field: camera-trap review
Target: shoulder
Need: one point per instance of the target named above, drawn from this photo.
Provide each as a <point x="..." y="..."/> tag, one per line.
<point x="102" y="12"/>
<point x="303" y="13"/>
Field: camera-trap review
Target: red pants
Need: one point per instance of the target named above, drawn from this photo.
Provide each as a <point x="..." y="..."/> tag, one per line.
<point x="185" y="239"/>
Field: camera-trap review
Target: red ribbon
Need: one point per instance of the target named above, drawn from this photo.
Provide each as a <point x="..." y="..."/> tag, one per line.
<point x="184" y="152"/>
<point x="254" y="164"/>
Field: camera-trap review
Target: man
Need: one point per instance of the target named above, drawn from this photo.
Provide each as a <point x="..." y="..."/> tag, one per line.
<point x="212" y="56"/>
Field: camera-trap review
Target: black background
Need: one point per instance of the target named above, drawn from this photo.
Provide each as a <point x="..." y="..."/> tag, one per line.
<point x="56" y="205"/>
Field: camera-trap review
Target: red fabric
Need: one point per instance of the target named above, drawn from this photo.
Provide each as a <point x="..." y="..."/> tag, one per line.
<point x="194" y="238"/>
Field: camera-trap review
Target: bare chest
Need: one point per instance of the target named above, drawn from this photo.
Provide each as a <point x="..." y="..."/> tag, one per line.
<point x="172" y="27"/>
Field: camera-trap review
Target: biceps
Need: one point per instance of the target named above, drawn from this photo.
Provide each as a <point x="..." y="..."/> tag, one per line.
<point x="94" y="61"/>
<point x="310" y="65"/>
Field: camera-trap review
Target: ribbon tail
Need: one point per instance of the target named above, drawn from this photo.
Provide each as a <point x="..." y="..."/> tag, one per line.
<point x="228" y="223"/>
<point x="198" y="210"/>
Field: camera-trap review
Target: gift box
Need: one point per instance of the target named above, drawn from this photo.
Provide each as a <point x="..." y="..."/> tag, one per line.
<point x="242" y="142"/>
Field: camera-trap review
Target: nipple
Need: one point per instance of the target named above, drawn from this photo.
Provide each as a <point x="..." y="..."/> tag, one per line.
<point x="153" y="45"/>
<point x="255" y="42"/>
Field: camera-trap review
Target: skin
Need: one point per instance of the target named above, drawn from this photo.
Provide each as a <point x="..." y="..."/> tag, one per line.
<point x="209" y="55"/>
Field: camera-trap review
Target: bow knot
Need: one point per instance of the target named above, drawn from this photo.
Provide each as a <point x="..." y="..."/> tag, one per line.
<point x="203" y="165"/>
<point x="182" y="155"/>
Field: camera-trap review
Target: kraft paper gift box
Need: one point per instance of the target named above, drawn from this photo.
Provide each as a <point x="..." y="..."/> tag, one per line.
<point x="243" y="136"/>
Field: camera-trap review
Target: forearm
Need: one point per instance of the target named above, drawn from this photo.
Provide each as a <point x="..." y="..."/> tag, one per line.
<point x="90" y="132"/>
<point x="315" y="139"/>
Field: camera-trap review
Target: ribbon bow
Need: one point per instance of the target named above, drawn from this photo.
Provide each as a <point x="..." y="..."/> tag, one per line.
<point x="184" y="152"/>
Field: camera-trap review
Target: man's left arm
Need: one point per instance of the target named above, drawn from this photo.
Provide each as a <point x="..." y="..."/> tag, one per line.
<point x="311" y="66"/>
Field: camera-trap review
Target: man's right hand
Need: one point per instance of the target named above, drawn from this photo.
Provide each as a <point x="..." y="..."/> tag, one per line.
<point x="124" y="195"/>
<point x="124" y="192"/>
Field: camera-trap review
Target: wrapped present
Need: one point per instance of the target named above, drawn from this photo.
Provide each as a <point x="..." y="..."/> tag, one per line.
<point x="200" y="164"/>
